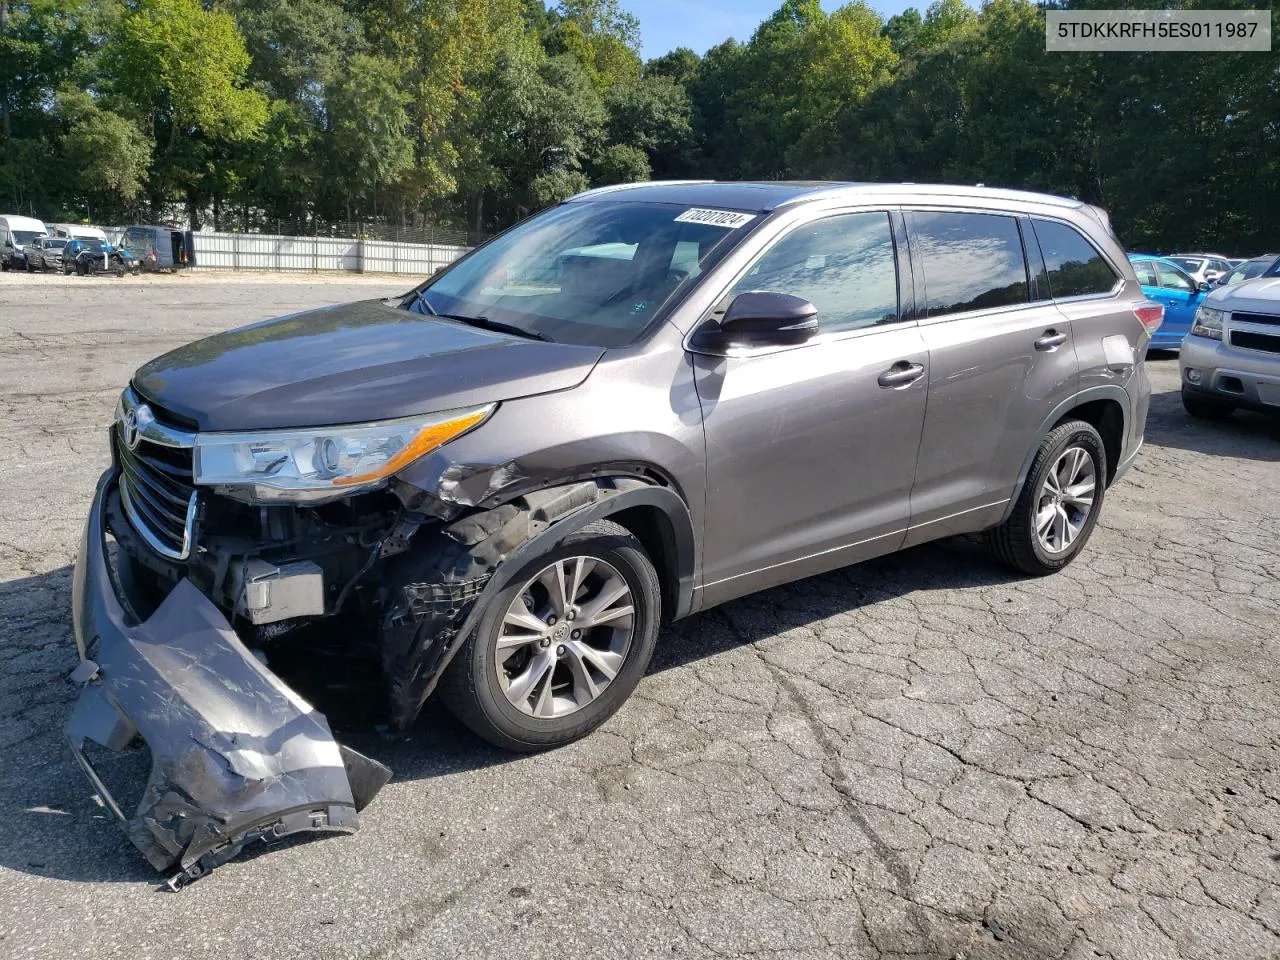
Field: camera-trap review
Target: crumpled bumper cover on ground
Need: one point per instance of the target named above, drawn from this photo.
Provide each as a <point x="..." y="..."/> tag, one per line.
<point x="236" y="755"/>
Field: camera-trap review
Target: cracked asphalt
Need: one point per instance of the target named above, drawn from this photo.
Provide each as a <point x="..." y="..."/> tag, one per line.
<point x="921" y="756"/>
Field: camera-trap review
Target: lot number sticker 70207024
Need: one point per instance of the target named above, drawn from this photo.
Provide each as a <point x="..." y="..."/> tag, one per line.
<point x="716" y="218"/>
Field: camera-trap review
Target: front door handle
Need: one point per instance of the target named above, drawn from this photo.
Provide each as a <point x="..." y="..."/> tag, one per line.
<point x="901" y="374"/>
<point x="1051" y="340"/>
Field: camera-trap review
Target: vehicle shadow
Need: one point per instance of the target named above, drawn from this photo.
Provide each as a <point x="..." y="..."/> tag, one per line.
<point x="52" y="826"/>
<point x="1245" y="435"/>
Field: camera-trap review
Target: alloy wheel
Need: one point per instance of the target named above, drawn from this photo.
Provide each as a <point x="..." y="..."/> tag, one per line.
<point x="565" y="637"/>
<point x="1066" y="500"/>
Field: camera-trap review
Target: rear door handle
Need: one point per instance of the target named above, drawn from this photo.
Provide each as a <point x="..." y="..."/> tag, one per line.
<point x="901" y="374"/>
<point x="1051" y="340"/>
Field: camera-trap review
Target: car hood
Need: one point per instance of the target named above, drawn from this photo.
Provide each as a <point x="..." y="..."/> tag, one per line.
<point x="352" y="363"/>
<point x="1261" y="294"/>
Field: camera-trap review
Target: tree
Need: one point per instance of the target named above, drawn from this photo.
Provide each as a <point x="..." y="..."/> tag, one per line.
<point x="368" y="129"/>
<point x="108" y="153"/>
<point x="680" y="66"/>
<point x="183" y="70"/>
<point x="603" y="37"/>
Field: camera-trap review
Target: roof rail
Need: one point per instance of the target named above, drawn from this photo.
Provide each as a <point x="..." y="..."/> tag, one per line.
<point x="616" y="187"/>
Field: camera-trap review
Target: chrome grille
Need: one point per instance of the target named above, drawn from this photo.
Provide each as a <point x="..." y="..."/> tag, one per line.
<point x="157" y="488"/>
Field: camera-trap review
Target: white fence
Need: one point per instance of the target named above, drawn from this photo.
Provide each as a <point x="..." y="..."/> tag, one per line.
<point x="255" y="251"/>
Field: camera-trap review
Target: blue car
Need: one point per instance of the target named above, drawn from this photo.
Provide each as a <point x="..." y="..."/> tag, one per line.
<point x="1174" y="289"/>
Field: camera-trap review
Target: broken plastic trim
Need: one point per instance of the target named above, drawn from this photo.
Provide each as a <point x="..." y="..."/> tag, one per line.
<point x="237" y="756"/>
<point x="435" y="597"/>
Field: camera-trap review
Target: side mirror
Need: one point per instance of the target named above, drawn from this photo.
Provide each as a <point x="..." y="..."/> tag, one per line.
<point x="1203" y="285"/>
<point x="761" y="316"/>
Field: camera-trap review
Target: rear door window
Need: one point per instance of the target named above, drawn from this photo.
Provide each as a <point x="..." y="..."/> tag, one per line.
<point x="844" y="265"/>
<point x="1075" y="266"/>
<point x="972" y="261"/>
<point x="1146" y="273"/>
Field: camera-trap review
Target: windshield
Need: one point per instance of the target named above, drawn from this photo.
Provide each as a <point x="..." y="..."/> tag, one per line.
<point x="136" y="240"/>
<point x="23" y="237"/>
<point x="54" y="244"/>
<point x="594" y="273"/>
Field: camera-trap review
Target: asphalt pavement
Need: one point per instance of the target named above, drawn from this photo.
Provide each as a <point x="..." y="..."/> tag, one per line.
<point x="920" y="756"/>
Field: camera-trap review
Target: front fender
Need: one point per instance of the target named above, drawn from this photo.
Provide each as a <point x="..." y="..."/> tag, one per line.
<point x="435" y="596"/>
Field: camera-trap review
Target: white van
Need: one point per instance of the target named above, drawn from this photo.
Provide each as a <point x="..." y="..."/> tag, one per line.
<point x="15" y="233"/>
<point x="76" y="231"/>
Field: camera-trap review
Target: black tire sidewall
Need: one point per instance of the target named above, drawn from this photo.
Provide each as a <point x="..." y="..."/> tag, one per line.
<point x="508" y="726"/>
<point x="1075" y="434"/>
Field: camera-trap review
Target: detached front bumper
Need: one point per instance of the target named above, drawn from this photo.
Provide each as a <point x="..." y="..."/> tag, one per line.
<point x="236" y="755"/>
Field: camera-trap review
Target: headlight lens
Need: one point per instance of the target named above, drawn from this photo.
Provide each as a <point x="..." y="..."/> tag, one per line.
<point x="323" y="463"/>
<point x="1208" y="323"/>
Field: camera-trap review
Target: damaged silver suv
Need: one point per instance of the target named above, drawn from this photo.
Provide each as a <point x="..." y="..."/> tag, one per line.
<point x="633" y="406"/>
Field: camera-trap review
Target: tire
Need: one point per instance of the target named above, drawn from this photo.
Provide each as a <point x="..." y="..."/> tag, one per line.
<point x="1018" y="541"/>
<point x="1207" y="408"/>
<point x="472" y="690"/>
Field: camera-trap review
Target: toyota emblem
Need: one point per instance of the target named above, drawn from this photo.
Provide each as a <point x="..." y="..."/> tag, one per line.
<point x="134" y="422"/>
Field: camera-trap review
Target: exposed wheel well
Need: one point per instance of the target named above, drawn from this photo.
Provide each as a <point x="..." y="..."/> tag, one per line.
<point x="1107" y="417"/>
<point x="653" y="529"/>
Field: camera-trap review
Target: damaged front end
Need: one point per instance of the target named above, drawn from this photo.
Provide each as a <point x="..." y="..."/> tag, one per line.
<point x="237" y="756"/>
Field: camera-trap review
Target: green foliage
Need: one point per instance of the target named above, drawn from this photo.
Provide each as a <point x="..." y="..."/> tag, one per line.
<point x="188" y="65"/>
<point x="109" y="153"/>
<point x="480" y="112"/>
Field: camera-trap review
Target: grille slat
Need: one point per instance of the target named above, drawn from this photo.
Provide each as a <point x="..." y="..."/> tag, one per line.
<point x="157" y="486"/>
<point x="156" y="506"/>
<point x="1255" y="341"/>
<point x="169" y="490"/>
<point x="1265" y="319"/>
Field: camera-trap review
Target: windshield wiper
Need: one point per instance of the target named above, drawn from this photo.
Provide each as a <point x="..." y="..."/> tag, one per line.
<point x="486" y="324"/>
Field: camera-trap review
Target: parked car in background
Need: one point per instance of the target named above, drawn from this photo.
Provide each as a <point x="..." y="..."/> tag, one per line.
<point x="160" y="248"/>
<point x="77" y="231"/>
<point x="1169" y="285"/>
<point x="87" y="257"/>
<point x="1248" y="269"/>
<point x="45" y="253"/>
<point x="15" y="233"/>
<point x="1231" y="358"/>
<point x="1202" y="267"/>
<point x="640" y="403"/>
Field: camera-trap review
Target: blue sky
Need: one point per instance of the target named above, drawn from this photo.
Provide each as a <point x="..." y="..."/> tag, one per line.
<point x="701" y="24"/>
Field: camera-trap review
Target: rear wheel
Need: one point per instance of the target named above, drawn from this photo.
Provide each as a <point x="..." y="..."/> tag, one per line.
<point x="1058" y="507"/>
<point x="562" y="647"/>
<point x="1207" y="408"/>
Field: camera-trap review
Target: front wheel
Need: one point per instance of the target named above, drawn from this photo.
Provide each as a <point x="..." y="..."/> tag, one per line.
<point x="562" y="647"/>
<point x="1059" y="504"/>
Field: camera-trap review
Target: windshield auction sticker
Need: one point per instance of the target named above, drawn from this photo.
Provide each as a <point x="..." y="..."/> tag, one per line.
<point x="716" y="218"/>
<point x="1160" y="31"/>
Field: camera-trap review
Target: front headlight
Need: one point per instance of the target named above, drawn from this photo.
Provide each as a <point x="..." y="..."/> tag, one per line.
<point x="1208" y="323"/>
<point x="323" y="463"/>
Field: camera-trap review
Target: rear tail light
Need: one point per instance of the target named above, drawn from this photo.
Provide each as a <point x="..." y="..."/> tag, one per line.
<point x="155" y="255"/>
<point x="1150" y="315"/>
